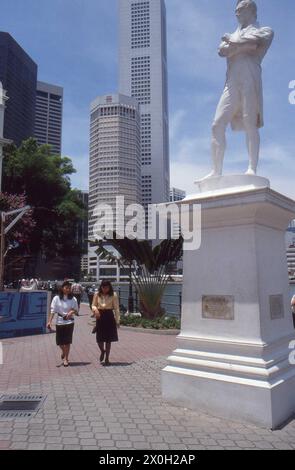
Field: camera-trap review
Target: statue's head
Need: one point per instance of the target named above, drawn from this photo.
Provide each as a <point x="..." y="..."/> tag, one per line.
<point x="246" y="12"/>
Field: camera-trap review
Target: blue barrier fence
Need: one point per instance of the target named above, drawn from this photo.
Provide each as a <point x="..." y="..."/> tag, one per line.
<point x="23" y="313"/>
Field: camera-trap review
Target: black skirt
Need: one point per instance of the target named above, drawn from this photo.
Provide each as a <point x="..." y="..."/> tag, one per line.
<point x="106" y="327"/>
<point x="64" y="334"/>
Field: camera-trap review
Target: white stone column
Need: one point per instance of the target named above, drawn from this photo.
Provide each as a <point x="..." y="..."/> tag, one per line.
<point x="232" y="358"/>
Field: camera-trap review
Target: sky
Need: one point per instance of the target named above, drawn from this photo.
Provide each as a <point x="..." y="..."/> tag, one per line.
<point x="75" y="44"/>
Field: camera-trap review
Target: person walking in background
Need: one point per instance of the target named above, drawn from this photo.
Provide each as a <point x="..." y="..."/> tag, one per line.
<point x="65" y="306"/>
<point x="91" y="292"/>
<point x="77" y="291"/>
<point x="31" y="286"/>
<point x="106" y="309"/>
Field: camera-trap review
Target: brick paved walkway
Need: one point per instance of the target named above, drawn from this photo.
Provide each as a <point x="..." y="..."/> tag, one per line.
<point x="92" y="407"/>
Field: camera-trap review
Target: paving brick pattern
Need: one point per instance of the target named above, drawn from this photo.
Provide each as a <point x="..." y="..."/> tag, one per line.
<point x="89" y="406"/>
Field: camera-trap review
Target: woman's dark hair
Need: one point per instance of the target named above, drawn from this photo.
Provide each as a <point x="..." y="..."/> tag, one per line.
<point x="61" y="288"/>
<point x="106" y="284"/>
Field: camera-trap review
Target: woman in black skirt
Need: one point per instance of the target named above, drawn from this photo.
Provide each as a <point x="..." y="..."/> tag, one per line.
<point x="65" y="306"/>
<point x="106" y="309"/>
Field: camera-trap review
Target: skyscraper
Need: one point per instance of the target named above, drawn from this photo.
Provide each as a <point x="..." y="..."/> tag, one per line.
<point x="48" y="120"/>
<point x="115" y="160"/>
<point x="177" y="194"/>
<point x="143" y="75"/>
<point x="115" y="167"/>
<point x="18" y="74"/>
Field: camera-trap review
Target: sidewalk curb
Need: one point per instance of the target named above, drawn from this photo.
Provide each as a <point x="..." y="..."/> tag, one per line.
<point x="150" y="331"/>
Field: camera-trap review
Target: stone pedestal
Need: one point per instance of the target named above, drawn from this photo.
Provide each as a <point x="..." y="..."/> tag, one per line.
<point x="232" y="358"/>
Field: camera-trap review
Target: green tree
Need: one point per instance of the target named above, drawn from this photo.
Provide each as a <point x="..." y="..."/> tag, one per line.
<point x="148" y="266"/>
<point x="45" y="180"/>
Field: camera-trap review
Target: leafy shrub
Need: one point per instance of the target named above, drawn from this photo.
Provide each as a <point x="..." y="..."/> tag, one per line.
<point x="161" y="323"/>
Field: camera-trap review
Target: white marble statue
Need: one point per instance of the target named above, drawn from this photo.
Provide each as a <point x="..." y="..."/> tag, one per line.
<point x="242" y="101"/>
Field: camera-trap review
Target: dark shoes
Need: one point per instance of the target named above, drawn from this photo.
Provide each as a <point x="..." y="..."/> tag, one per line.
<point x="102" y="356"/>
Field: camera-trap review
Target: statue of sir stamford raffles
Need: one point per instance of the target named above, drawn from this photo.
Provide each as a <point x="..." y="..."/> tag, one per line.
<point x="242" y="101"/>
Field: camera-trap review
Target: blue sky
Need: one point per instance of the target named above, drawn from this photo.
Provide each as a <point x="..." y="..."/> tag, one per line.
<point x="75" y="44"/>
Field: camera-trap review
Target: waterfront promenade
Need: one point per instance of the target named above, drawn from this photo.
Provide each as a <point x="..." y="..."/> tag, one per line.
<point x="89" y="406"/>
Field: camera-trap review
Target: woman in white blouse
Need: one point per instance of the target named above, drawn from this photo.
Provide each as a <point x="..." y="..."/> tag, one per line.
<point x="65" y="307"/>
<point x="106" y="309"/>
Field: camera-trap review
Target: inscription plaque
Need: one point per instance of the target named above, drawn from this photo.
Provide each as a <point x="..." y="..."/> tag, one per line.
<point x="276" y="303"/>
<point x="218" y="307"/>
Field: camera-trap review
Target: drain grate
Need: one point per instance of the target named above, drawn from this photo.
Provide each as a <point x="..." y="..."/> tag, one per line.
<point x="20" y="406"/>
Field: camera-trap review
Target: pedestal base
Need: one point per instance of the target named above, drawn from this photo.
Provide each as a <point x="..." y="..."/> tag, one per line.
<point x="240" y="388"/>
<point x="228" y="184"/>
<point x="233" y="352"/>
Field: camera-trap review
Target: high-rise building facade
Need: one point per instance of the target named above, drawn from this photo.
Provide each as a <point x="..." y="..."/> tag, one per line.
<point x="18" y="74"/>
<point x="115" y="165"/>
<point x="177" y="194"/>
<point x="143" y="75"/>
<point x="48" y="120"/>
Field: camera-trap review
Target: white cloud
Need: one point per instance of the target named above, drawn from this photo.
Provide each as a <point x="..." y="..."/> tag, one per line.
<point x="183" y="175"/>
<point x="176" y="120"/>
<point x="273" y="154"/>
<point x="188" y="149"/>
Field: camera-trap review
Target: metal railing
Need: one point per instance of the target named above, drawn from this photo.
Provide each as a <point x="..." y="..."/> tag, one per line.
<point x="123" y="300"/>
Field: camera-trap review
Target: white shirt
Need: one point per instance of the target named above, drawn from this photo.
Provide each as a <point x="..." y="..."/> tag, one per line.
<point x="62" y="307"/>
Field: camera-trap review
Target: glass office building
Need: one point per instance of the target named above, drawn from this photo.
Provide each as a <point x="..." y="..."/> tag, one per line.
<point x="18" y="73"/>
<point x="49" y="110"/>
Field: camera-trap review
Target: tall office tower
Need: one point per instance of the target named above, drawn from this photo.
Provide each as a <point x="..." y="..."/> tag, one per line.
<point x="177" y="195"/>
<point x="143" y="75"/>
<point x="18" y="74"/>
<point x="115" y="166"/>
<point x="48" y="121"/>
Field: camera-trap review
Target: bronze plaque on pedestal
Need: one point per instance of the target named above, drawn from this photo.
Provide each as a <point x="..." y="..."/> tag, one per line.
<point x="276" y="303"/>
<point x="218" y="307"/>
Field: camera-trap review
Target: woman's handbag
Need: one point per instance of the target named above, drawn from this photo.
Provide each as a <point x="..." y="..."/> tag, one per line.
<point x="94" y="331"/>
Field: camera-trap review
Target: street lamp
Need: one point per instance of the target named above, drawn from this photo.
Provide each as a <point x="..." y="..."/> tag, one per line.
<point x="130" y="297"/>
<point x="19" y="213"/>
